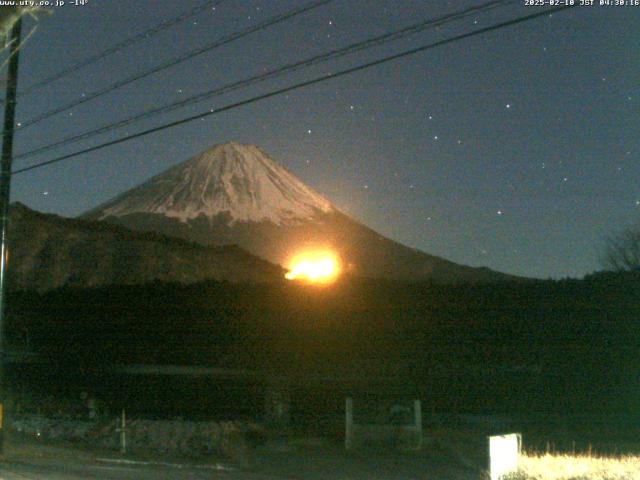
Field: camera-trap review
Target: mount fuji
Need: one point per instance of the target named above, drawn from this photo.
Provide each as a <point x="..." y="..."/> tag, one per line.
<point x="236" y="194"/>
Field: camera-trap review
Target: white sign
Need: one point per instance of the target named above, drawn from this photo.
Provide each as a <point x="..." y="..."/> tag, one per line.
<point x="503" y="454"/>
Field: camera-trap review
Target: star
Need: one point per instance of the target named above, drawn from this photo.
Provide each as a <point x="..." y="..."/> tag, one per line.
<point x="508" y="105"/>
<point x="435" y="137"/>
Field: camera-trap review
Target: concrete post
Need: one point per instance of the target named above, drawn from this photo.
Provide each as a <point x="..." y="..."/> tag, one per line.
<point x="123" y="433"/>
<point x="417" y="421"/>
<point x="348" y="430"/>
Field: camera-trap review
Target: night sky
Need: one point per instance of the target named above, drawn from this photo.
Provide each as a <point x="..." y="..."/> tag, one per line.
<point x="517" y="150"/>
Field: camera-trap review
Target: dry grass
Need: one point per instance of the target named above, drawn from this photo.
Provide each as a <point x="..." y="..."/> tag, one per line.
<point x="577" y="467"/>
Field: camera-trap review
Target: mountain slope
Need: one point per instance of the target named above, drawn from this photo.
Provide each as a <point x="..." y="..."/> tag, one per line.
<point x="48" y="251"/>
<point x="239" y="180"/>
<point x="236" y="194"/>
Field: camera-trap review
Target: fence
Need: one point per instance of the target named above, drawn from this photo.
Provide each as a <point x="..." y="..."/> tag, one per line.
<point x="228" y="439"/>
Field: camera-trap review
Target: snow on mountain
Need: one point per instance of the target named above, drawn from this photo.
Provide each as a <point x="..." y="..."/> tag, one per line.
<point x="240" y="180"/>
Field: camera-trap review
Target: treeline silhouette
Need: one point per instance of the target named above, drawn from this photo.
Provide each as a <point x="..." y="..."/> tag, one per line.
<point x="541" y="346"/>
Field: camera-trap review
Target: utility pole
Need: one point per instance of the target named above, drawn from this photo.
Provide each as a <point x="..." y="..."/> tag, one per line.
<point x="5" y="191"/>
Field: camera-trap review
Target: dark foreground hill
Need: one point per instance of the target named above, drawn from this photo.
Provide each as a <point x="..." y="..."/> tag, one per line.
<point x="48" y="252"/>
<point x="541" y="346"/>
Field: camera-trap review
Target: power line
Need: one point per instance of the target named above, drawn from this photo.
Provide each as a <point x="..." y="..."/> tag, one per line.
<point x="177" y="60"/>
<point x="298" y="86"/>
<point x="331" y="55"/>
<point x="128" y="42"/>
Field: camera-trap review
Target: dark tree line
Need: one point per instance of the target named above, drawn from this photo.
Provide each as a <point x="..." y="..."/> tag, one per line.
<point x="543" y="344"/>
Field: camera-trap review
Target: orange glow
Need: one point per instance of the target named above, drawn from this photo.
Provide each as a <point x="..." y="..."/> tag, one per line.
<point x="315" y="267"/>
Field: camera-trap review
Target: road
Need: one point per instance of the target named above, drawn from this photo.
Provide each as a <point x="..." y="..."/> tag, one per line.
<point x="38" y="461"/>
<point x="66" y="469"/>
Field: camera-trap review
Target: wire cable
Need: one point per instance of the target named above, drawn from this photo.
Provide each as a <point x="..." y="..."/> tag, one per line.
<point x="298" y="86"/>
<point x="128" y="42"/>
<point x="277" y="72"/>
<point x="177" y="60"/>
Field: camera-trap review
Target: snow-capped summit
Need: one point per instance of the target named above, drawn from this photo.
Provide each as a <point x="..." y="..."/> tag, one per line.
<point x="232" y="178"/>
